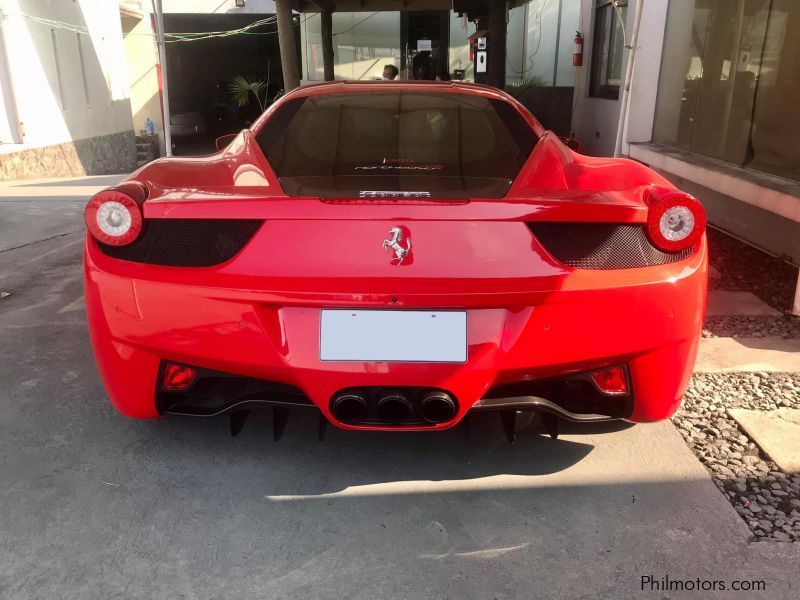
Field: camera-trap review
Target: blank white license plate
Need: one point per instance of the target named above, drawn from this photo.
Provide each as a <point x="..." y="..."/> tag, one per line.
<point x="393" y="335"/>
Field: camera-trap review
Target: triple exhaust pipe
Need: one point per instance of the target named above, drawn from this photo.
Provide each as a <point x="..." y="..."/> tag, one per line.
<point x="434" y="406"/>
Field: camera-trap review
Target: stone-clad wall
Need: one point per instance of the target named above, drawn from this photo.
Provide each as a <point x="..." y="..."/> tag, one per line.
<point x="101" y="155"/>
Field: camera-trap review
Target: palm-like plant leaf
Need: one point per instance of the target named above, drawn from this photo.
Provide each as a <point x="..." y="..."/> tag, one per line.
<point x="525" y="83"/>
<point x="241" y="87"/>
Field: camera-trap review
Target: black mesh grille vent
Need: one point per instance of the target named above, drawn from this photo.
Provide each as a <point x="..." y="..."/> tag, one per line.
<point x="602" y="245"/>
<point x="187" y="242"/>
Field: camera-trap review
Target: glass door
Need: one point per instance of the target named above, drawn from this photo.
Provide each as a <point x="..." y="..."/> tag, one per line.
<point x="425" y="36"/>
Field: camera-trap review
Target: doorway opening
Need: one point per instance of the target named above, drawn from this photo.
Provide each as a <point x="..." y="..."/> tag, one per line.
<point x="425" y="40"/>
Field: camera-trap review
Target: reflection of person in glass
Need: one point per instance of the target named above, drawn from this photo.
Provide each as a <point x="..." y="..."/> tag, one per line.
<point x="436" y="123"/>
<point x="390" y="73"/>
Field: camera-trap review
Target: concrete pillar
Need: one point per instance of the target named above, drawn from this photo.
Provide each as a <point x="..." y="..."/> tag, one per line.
<point x="326" y="18"/>
<point x="675" y="63"/>
<point x="288" y="45"/>
<point x="9" y="121"/>
<point x="497" y="44"/>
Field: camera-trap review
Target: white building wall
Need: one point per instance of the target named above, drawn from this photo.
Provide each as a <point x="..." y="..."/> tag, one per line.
<point x="9" y="125"/>
<point x="142" y="57"/>
<point x="66" y="85"/>
<point x="570" y="23"/>
<point x="595" y="120"/>
<point x="644" y="87"/>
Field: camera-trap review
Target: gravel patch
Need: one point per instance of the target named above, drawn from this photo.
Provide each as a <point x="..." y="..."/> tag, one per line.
<point x="767" y="499"/>
<point x="743" y="268"/>
<point x="785" y="327"/>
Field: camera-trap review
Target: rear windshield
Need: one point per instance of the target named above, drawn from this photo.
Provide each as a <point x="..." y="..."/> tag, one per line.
<point x="390" y="144"/>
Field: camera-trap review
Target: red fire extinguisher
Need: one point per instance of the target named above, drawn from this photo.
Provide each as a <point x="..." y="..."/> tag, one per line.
<point x="577" y="50"/>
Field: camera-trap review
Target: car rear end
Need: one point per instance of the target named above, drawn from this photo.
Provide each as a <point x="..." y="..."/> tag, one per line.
<point x="396" y="258"/>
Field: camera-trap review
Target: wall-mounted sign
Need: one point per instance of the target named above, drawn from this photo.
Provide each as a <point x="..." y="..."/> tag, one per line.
<point x="424" y="46"/>
<point x="481" y="43"/>
<point x="480" y="62"/>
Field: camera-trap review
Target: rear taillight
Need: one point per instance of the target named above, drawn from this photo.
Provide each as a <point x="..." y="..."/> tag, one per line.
<point x="114" y="216"/>
<point x="675" y="219"/>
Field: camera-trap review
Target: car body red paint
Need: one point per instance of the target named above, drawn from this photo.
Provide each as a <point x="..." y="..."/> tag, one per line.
<point x="530" y="317"/>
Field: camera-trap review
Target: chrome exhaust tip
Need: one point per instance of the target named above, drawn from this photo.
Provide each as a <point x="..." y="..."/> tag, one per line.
<point x="437" y="407"/>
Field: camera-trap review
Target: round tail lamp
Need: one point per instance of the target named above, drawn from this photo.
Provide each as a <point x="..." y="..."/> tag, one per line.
<point x="114" y="216"/>
<point x="675" y="219"/>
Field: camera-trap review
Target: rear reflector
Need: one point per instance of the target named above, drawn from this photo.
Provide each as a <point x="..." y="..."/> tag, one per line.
<point x="611" y="381"/>
<point x="178" y="377"/>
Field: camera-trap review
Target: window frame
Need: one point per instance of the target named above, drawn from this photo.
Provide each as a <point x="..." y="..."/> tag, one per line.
<point x="596" y="88"/>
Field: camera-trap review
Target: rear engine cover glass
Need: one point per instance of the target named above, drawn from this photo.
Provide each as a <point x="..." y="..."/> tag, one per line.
<point x="384" y="144"/>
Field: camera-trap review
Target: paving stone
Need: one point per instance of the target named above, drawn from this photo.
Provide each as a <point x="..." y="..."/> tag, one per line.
<point x="777" y="433"/>
<point x="742" y="304"/>
<point x="726" y="355"/>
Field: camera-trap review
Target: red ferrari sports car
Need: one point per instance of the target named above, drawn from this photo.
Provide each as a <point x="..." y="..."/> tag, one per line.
<point x="396" y="256"/>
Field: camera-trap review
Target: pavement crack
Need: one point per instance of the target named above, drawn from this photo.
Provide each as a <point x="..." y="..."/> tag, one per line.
<point x="47" y="239"/>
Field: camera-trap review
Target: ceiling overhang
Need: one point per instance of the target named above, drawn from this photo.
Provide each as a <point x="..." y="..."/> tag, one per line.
<point x="469" y="6"/>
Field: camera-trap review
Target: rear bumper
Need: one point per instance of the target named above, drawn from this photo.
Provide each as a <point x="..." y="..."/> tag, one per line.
<point x="649" y="319"/>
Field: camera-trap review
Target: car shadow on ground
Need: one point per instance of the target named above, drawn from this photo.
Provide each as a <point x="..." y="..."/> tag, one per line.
<point x="360" y="458"/>
<point x="78" y="181"/>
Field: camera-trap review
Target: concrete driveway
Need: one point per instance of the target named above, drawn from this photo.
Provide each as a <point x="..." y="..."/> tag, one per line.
<point x="93" y="505"/>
